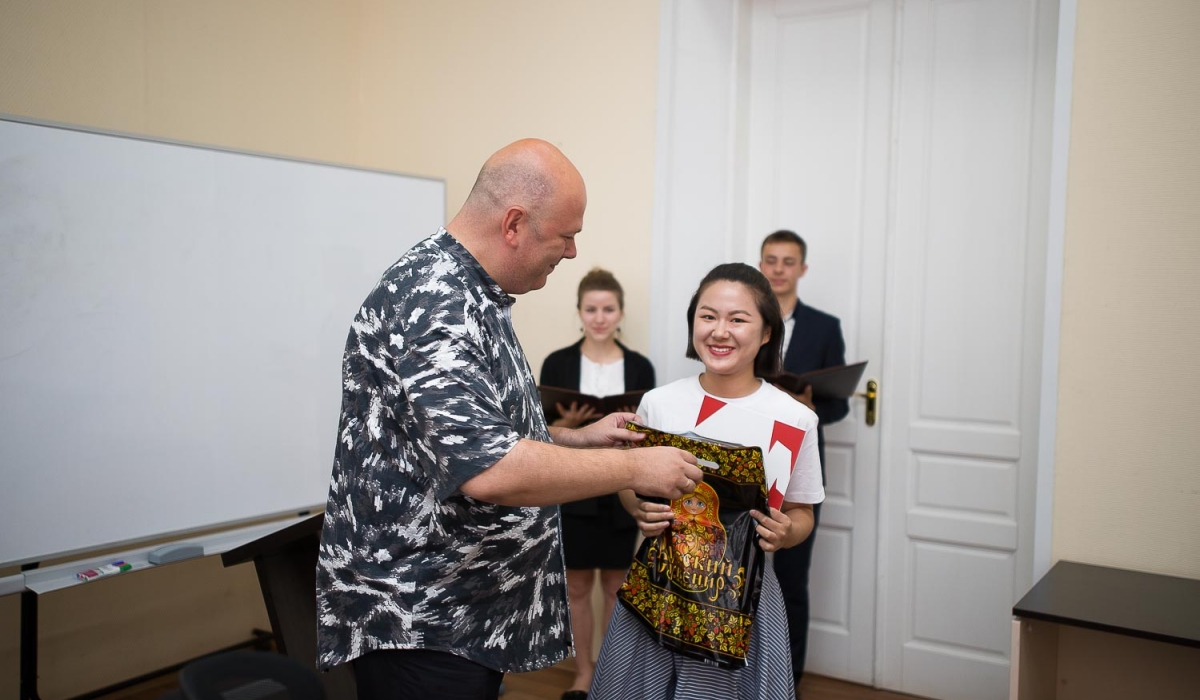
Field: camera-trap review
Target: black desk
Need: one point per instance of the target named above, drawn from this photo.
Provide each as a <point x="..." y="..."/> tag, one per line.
<point x="1133" y="603"/>
<point x="1138" y="612"/>
<point x="286" y="562"/>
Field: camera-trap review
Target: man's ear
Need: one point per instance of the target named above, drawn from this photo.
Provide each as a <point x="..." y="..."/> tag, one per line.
<point x="515" y="218"/>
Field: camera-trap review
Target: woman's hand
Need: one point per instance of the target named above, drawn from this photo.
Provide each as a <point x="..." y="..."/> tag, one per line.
<point x="574" y="416"/>
<point x="779" y="530"/>
<point x="652" y="518"/>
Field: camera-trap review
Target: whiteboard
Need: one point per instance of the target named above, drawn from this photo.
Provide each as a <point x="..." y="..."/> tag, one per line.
<point x="172" y="321"/>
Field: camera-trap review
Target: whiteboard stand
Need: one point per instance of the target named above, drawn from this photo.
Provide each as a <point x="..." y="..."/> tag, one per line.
<point x="257" y="538"/>
<point x="28" y="640"/>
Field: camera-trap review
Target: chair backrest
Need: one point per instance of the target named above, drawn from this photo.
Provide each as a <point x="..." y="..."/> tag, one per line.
<point x="249" y="675"/>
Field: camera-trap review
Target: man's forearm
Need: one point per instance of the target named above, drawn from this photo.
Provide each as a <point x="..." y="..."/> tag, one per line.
<point x="565" y="437"/>
<point x="539" y="474"/>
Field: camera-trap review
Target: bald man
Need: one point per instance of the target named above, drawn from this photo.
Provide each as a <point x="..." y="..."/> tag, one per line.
<point x="440" y="566"/>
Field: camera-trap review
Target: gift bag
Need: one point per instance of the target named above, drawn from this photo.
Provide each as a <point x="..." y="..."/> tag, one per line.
<point x="696" y="585"/>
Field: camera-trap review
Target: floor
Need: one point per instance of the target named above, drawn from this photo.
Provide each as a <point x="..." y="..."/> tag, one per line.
<point x="549" y="684"/>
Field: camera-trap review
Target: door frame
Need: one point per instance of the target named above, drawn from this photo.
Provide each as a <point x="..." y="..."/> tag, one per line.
<point x="1060" y="141"/>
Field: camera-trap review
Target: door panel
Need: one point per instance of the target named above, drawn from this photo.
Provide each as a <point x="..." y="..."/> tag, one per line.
<point x="960" y="405"/>
<point x="939" y="573"/>
<point x="829" y="589"/>
<point x="818" y="115"/>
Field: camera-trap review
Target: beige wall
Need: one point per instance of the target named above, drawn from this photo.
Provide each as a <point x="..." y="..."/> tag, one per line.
<point x="430" y="88"/>
<point x="1127" y="469"/>
<point x="418" y="87"/>
<point x="578" y="74"/>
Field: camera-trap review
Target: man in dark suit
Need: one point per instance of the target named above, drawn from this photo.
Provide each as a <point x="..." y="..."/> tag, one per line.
<point x="813" y="340"/>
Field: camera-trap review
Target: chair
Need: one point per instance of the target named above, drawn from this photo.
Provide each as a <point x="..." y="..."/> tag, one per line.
<point x="249" y="675"/>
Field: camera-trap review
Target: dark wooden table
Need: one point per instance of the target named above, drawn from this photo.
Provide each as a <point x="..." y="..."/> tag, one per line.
<point x="1133" y="603"/>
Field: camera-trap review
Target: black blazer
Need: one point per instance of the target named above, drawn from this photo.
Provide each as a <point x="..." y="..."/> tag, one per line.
<point x="561" y="369"/>
<point x="817" y="343"/>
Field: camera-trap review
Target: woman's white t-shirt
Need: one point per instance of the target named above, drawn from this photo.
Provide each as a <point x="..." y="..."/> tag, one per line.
<point x="673" y="409"/>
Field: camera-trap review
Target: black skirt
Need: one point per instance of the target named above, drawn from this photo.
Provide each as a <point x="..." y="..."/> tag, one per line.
<point x="598" y="534"/>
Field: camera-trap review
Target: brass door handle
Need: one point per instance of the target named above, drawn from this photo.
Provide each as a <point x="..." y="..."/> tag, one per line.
<point x="872" y="397"/>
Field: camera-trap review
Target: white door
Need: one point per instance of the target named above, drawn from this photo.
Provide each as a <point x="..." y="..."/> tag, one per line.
<point x="908" y="141"/>
<point x="819" y="125"/>
<point x="962" y="339"/>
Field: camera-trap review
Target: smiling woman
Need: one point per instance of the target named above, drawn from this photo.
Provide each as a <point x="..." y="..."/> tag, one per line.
<point x="732" y="317"/>
<point x="597" y="532"/>
<point x="735" y="329"/>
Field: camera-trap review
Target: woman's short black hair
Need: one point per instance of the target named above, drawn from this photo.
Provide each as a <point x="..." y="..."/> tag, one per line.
<point x="769" y="360"/>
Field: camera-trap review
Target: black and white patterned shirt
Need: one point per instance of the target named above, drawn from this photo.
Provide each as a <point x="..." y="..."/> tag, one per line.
<point x="435" y="389"/>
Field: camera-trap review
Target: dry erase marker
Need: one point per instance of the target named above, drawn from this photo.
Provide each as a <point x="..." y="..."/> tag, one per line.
<point x="107" y="570"/>
<point x="89" y="574"/>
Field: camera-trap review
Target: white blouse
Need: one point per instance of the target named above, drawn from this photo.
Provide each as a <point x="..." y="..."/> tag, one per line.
<point x="601" y="380"/>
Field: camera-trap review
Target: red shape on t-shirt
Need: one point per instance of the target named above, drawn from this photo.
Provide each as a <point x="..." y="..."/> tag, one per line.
<point x="708" y="407"/>
<point x="775" y="496"/>
<point x="789" y="436"/>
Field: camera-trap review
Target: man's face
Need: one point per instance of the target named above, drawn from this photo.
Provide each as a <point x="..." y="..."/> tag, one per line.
<point x="783" y="266"/>
<point x="550" y="237"/>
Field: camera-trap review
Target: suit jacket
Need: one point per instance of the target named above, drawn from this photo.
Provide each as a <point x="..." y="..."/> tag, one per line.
<point x="561" y="369"/>
<point x="817" y="343"/>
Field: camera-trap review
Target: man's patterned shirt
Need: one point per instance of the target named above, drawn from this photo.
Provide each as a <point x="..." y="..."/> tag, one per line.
<point x="435" y="389"/>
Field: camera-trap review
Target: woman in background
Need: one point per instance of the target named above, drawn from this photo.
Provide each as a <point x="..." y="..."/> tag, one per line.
<point x="597" y="532"/>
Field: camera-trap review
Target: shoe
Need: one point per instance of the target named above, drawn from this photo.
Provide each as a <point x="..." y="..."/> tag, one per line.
<point x="575" y="695"/>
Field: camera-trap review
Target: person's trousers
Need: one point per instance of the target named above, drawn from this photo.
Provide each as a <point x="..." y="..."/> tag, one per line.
<point x="791" y="568"/>
<point x="416" y="674"/>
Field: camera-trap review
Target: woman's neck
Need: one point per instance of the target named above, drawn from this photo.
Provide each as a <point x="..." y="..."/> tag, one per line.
<point x="729" y="387"/>
<point x="601" y="352"/>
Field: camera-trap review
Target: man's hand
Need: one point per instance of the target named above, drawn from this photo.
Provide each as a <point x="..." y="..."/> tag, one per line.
<point x="609" y="431"/>
<point x="665" y="472"/>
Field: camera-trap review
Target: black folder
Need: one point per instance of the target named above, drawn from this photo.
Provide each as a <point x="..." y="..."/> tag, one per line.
<point x="552" y="395"/>
<point x="827" y="383"/>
